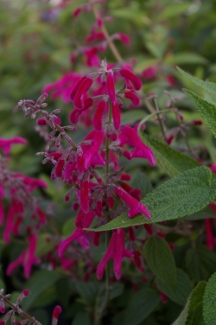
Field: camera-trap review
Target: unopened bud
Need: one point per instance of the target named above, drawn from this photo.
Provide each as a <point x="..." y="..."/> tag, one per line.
<point x="197" y="122"/>
<point x="56" y="312"/>
<point x="41" y="121"/>
<point x="23" y="294"/>
<point x="42" y="98"/>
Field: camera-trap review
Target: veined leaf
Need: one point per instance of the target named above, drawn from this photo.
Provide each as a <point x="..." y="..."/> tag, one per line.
<point x="167" y="158"/>
<point x="160" y="260"/>
<point x="185" y="58"/>
<point x="209" y="310"/>
<point x="140" y="306"/>
<point x="207" y="110"/>
<point x="182" y="290"/>
<point x="39" y="282"/>
<point x="173" y="10"/>
<point x="206" y="85"/>
<point x="192" y="313"/>
<point x="187" y="193"/>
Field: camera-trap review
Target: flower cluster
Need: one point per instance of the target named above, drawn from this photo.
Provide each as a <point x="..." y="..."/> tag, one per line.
<point x="17" y="205"/>
<point x="92" y="168"/>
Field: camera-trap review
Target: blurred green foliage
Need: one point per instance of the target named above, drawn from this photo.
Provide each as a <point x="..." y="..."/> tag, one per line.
<point x="37" y="39"/>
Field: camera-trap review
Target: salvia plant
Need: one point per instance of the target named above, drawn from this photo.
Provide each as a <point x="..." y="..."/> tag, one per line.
<point x="125" y="231"/>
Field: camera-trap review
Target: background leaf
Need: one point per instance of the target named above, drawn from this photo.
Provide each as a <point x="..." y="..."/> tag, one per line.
<point x="206" y="85"/>
<point x="207" y="110"/>
<point x="39" y="282"/>
<point x="182" y="290"/>
<point x="168" y="159"/>
<point x="192" y="313"/>
<point x="140" y="306"/>
<point x="160" y="260"/>
<point x="209" y="299"/>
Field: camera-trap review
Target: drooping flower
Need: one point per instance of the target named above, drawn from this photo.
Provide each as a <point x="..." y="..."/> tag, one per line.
<point x="6" y="144"/>
<point x="114" y="251"/>
<point x="26" y="259"/>
<point x="135" y="206"/>
<point x="127" y="74"/>
<point x="129" y="136"/>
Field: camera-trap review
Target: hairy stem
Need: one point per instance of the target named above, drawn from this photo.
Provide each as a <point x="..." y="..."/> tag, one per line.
<point x="18" y="310"/>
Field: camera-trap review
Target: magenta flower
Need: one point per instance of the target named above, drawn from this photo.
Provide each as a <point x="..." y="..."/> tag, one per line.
<point x="80" y="90"/>
<point x="84" y="199"/>
<point x="26" y="259"/>
<point x="78" y="234"/>
<point x="123" y="37"/>
<point x="114" y="251"/>
<point x="99" y="114"/>
<point x="6" y="144"/>
<point x="91" y="153"/>
<point x="209" y="234"/>
<point x="127" y="74"/>
<point x="133" y="97"/>
<point x="111" y="87"/>
<point x="2" y="213"/>
<point x="140" y="150"/>
<point x="135" y="206"/>
<point x="63" y="86"/>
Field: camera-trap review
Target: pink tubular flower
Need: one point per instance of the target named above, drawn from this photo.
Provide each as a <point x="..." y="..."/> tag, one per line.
<point x="130" y="137"/>
<point x="150" y="72"/>
<point x="124" y="38"/>
<point x="133" y="97"/>
<point x="63" y="86"/>
<point x="136" y="207"/>
<point x="77" y="234"/>
<point x="2" y="213"/>
<point x="93" y="151"/>
<point x="84" y="196"/>
<point x="209" y="234"/>
<point x="114" y="251"/>
<point x="55" y="315"/>
<point x="10" y="222"/>
<point x="111" y="87"/>
<point x="99" y="114"/>
<point x="80" y="90"/>
<point x="127" y="74"/>
<point x="6" y="144"/>
<point x="27" y="258"/>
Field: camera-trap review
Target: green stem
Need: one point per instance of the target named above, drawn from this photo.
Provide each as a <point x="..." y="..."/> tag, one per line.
<point x="99" y="314"/>
<point x="160" y="120"/>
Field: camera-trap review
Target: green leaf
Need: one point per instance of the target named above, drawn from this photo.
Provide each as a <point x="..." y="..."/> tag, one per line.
<point x="200" y="263"/>
<point x="82" y="318"/>
<point x="185" y="58"/>
<point x="192" y="313"/>
<point x="206" y="85"/>
<point x="44" y="244"/>
<point x="88" y="291"/>
<point x="173" y="10"/>
<point x="160" y="260"/>
<point x="167" y="158"/>
<point x="140" y="306"/>
<point x="209" y="299"/>
<point x="39" y="282"/>
<point x="207" y="110"/>
<point x="142" y="182"/>
<point x="131" y="116"/>
<point x="183" y="195"/>
<point x="182" y="290"/>
<point x="91" y="291"/>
